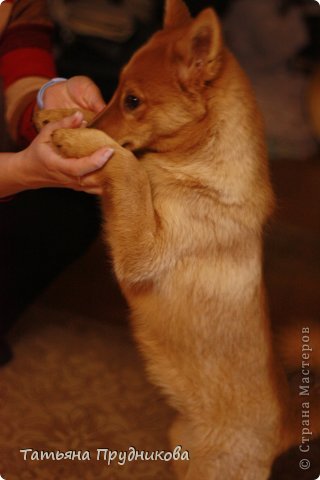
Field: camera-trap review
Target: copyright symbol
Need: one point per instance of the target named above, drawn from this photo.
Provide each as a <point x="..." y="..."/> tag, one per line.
<point x="304" y="464"/>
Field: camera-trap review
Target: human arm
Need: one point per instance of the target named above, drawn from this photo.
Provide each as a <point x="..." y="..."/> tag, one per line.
<point x="26" y="63"/>
<point x="39" y="165"/>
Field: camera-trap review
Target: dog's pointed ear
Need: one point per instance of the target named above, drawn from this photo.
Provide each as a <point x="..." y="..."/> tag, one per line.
<point x="176" y="14"/>
<point x="199" y="51"/>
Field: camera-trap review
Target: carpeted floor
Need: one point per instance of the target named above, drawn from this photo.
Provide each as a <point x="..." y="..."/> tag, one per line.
<point x="77" y="381"/>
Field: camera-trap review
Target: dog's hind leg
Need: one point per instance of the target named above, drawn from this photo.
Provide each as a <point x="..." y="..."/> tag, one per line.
<point x="232" y="465"/>
<point x="180" y="435"/>
<point x="223" y="453"/>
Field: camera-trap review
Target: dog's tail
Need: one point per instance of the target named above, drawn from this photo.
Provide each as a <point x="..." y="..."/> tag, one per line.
<point x="298" y="347"/>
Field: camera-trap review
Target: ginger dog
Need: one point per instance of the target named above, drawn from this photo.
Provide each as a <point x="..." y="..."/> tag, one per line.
<point x="186" y="196"/>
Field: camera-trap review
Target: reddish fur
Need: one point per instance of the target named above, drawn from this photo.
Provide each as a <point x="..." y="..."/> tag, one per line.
<point x="185" y="203"/>
<point x="184" y="223"/>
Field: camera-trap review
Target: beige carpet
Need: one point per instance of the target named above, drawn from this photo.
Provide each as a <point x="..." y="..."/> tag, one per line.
<point x="77" y="381"/>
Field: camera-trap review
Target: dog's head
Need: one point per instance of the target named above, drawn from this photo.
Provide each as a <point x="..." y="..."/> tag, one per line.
<point x="162" y="90"/>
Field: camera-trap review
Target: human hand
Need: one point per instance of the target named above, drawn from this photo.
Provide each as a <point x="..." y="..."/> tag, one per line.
<point x="39" y="165"/>
<point x="77" y="92"/>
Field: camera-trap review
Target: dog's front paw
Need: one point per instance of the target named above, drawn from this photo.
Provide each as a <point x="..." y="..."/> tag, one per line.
<point x="80" y="142"/>
<point x="43" y="117"/>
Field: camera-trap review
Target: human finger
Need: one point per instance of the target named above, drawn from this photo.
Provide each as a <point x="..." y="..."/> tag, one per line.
<point x="79" y="167"/>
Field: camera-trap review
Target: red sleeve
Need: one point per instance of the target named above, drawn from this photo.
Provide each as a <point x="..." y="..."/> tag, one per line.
<point x="26" y="51"/>
<point x="26" y="128"/>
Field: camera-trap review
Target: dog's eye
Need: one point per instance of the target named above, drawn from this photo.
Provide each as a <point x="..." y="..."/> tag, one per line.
<point x="131" y="102"/>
